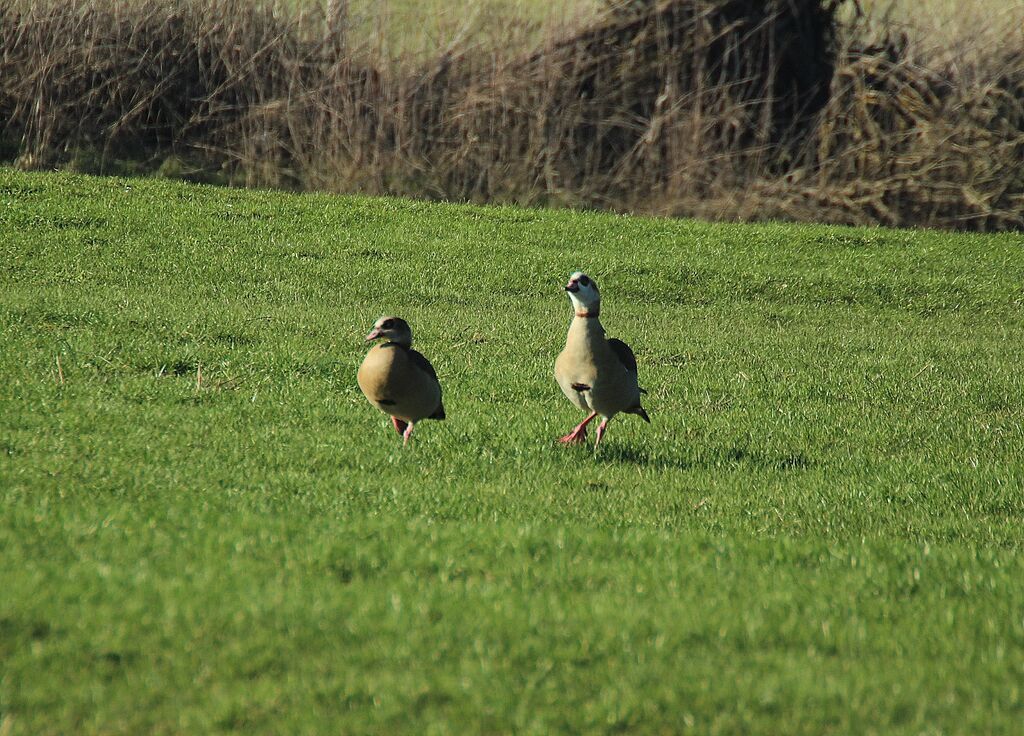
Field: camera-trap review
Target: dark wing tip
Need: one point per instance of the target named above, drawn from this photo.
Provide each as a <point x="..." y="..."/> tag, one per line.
<point x="439" y="414"/>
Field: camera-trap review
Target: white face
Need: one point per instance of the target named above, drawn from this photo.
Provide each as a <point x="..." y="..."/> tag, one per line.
<point x="582" y="291"/>
<point x="394" y="329"/>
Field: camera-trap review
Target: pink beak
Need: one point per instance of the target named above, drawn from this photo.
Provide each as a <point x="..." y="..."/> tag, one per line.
<point x="374" y="334"/>
<point x="572" y="286"/>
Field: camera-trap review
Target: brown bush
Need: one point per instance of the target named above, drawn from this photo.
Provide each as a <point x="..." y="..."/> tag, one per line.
<point x="946" y="149"/>
<point x="738" y="109"/>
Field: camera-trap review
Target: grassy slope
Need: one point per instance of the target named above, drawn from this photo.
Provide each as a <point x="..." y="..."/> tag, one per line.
<point x="819" y="532"/>
<point x="424" y="27"/>
<point x="421" y="27"/>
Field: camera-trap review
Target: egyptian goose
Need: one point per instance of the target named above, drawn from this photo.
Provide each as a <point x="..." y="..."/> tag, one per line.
<point x="398" y="380"/>
<point x="597" y="374"/>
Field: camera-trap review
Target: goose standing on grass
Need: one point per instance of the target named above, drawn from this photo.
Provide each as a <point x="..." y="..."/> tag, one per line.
<point x="398" y="380"/>
<point x="597" y="374"/>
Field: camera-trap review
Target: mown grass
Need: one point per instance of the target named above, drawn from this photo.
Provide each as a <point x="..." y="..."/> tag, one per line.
<point x="946" y="23"/>
<point x="425" y="26"/>
<point x="819" y="533"/>
<point x="419" y="29"/>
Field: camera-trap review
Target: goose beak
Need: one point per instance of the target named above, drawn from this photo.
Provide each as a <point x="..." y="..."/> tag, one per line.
<point x="374" y="334"/>
<point x="572" y="287"/>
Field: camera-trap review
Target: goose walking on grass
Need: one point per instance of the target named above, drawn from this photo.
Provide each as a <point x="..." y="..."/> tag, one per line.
<point x="398" y="380"/>
<point x="596" y="374"/>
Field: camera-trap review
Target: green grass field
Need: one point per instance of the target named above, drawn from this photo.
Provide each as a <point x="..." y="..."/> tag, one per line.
<point x="819" y="533"/>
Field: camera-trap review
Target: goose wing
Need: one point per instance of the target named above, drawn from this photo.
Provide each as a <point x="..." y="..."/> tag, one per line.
<point x="624" y="353"/>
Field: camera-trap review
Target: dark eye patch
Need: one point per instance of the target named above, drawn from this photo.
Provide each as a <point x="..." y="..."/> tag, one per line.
<point x="584" y="280"/>
<point x="388" y="324"/>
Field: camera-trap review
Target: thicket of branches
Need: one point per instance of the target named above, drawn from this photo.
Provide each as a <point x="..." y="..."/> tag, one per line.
<point x="729" y="109"/>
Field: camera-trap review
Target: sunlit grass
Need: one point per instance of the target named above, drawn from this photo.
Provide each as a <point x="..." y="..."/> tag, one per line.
<point x="424" y="27"/>
<point x="205" y="528"/>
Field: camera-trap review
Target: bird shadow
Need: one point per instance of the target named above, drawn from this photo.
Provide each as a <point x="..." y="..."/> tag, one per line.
<point x="723" y="457"/>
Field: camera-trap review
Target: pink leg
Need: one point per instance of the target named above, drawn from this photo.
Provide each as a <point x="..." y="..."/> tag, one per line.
<point x="399" y="424"/>
<point x="406" y="435"/>
<point x="600" y="431"/>
<point x="580" y="433"/>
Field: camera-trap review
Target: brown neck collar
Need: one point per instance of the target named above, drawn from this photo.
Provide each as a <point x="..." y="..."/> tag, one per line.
<point x="586" y="314"/>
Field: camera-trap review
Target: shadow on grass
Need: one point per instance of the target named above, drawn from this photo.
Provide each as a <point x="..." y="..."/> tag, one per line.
<point x="721" y="458"/>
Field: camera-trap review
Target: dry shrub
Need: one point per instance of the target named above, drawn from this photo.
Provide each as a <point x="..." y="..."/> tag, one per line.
<point x="737" y="109"/>
<point x="139" y="79"/>
<point x="904" y="142"/>
<point x="627" y="107"/>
